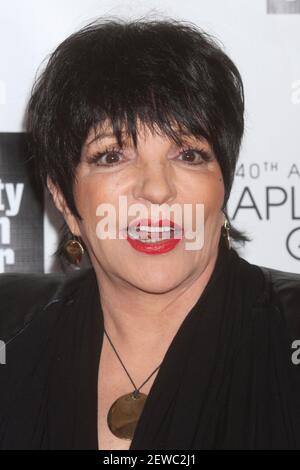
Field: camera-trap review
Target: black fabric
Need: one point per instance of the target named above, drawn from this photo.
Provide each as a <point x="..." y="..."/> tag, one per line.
<point x="226" y="381"/>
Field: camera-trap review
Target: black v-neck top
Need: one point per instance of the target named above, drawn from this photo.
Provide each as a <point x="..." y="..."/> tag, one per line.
<point x="223" y="383"/>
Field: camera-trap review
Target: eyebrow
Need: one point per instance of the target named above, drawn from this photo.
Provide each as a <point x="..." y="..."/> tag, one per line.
<point x="102" y="135"/>
<point x="105" y="134"/>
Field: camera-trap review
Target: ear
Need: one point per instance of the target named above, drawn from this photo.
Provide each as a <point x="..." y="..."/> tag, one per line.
<point x="61" y="205"/>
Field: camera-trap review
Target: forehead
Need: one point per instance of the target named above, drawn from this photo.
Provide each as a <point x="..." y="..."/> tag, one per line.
<point x="104" y="131"/>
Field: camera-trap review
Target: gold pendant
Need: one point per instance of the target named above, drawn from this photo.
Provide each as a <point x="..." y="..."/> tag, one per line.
<point x="124" y="414"/>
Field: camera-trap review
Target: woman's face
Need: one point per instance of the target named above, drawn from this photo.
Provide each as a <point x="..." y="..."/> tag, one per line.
<point x="158" y="172"/>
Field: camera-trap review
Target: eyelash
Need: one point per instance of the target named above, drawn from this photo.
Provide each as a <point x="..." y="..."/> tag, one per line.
<point x="94" y="159"/>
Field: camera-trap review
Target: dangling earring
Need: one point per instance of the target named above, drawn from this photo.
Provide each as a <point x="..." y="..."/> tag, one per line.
<point x="73" y="251"/>
<point x="226" y="233"/>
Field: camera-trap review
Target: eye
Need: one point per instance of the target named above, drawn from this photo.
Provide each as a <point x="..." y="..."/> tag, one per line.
<point x="113" y="156"/>
<point x="107" y="158"/>
<point x="195" y="156"/>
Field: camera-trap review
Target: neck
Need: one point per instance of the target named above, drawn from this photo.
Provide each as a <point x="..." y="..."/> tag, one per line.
<point x="137" y="320"/>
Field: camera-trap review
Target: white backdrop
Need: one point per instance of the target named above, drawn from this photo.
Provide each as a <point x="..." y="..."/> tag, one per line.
<point x="265" y="200"/>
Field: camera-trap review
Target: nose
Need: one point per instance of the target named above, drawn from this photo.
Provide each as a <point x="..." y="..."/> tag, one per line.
<point x="155" y="183"/>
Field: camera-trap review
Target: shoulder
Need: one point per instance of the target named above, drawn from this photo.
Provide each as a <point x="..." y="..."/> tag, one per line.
<point x="285" y="286"/>
<point x="281" y="279"/>
<point x="22" y="295"/>
<point x="282" y="289"/>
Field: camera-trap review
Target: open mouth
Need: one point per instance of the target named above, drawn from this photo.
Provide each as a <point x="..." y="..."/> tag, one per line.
<point x="153" y="233"/>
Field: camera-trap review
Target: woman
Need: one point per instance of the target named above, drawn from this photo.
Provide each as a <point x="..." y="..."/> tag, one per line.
<point x="156" y="345"/>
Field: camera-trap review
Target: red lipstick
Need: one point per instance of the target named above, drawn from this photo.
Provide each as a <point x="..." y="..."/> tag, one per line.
<point x="157" y="247"/>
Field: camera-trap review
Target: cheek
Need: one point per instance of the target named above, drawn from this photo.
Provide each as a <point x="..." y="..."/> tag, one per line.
<point x="214" y="194"/>
<point x="89" y="194"/>
<point x="207" y="189"/>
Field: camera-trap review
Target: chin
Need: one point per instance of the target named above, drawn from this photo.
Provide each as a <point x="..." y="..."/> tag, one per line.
<point x="157" y="285"/>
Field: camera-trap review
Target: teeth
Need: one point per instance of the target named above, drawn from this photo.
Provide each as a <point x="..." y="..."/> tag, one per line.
<point x="146" y="228"/>
<point x="140" y="233"/>
<point x="149" y="240"/>
<point x="133" y="234"/>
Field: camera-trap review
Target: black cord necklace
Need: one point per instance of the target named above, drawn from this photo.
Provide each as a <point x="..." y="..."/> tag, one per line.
<point x="124" y="413"/>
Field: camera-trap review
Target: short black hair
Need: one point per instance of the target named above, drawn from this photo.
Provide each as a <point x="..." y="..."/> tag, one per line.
<point x="161" y="72"/>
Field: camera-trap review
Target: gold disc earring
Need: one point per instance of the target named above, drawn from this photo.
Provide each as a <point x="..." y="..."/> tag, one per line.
<point x="73" y="251"/>
<point x="226" y="233"/>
